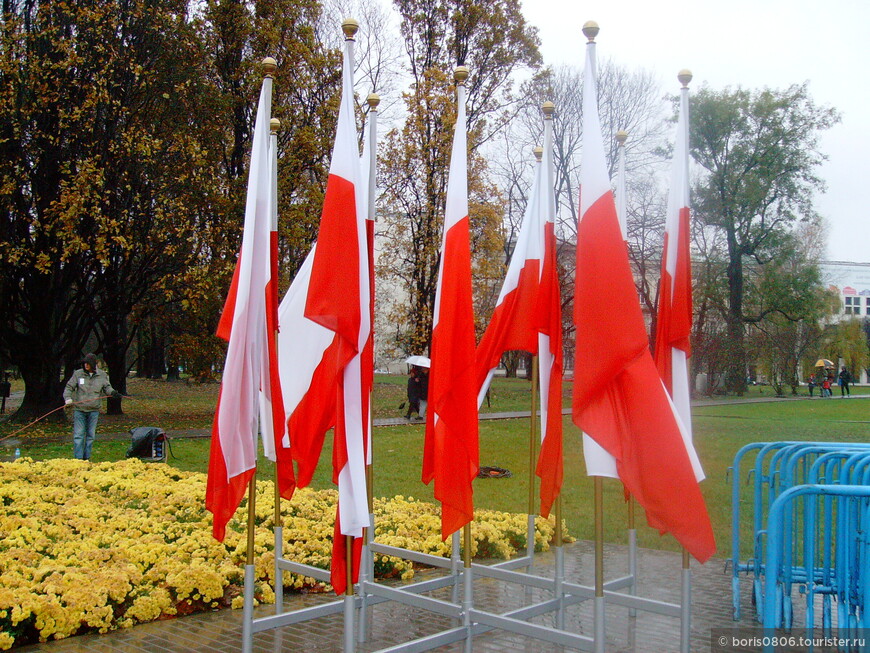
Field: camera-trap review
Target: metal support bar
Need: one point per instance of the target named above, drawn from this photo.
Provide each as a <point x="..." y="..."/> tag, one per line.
<point x="248" y="611"/>
<point x="598" y="607"/>
<point x="518" y="577"/>
<point x="305" y="570"/>
<point x="544" y="633"/>
<point x="248" y="606"/>
<point x="685" y="604"/>
<point x="427" y="603"/>
<point x="468" y="586"/>
<point x="348" y="622"/>
<point x="429" y="642"/>
<point x="297" y="616"/>
<point x="414" y="556"/>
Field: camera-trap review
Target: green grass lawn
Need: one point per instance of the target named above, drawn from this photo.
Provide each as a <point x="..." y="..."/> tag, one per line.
<point x="719" y="432"/>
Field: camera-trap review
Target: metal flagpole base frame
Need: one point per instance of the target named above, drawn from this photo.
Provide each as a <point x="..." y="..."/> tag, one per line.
<point x="248" y="611"/>
<point x="469" y="620"/>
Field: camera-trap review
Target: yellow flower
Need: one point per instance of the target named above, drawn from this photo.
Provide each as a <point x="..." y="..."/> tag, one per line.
<point x="106" y="546"/>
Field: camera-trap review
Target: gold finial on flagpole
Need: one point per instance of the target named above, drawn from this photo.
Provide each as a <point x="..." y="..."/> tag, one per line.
<point x="350" y="27"/>
<point x="685" y="76"/>
<point x="269" y="66"/>
<point x="621" y="136"/>
<point x="460" y="74"/>
<point x="274" y="125"/>
<point x="539" y="153"/>
<point x="590" y="30"/>
<point x="373" y="100"/>
<point x="548" y="109"/>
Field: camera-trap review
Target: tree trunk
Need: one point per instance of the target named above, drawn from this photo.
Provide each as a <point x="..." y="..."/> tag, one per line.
<point x="43" y="390"/>
<point x="115" y="353"/>
<point x="511" y="361"/>
<point x="735" y="375"/>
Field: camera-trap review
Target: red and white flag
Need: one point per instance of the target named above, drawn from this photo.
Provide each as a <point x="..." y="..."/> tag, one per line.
<point x="273" y="424"/>
<point x="450" y="454"/>
<point x="338" y="300"/>
<point x="233" y="456"/>
<point x="308" y="365"/>
<point x="368" y="168"/>
<point x="674" y="317"/>
<point x="528" y="316"/>
<point x="621" y="402"/>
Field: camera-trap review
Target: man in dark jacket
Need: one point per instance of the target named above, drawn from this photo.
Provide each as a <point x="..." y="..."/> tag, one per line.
<point x="85" y="389"/>
<point x="415" y="392"/>
<point x="845" y="379"/>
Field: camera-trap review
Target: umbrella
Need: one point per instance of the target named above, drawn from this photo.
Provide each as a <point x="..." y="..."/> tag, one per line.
<point x="824" y="362"/>
<point x="419" y="361"/>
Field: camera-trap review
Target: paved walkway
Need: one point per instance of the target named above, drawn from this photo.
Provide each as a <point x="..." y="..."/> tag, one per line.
<point x="391" y="623"/>
<point x="400" y="421"/>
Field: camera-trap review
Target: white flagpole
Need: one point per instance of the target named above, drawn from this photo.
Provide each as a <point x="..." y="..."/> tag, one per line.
<point x="621" y="213"/>
<point x="367" y="562"/>
<point x="684" y="77"/>
<point x="269" y="67"/>
<point x="274" y="126"/>
<point x="350" y="27"/>
<point x="621" y="137"/>
<point x="460" y="75"/>
<point x="590" y="31"/>
<point x="549" y="109"/>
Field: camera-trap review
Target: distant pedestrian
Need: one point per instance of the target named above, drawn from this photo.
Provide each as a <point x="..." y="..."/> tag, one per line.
<point x="424" y="391"/>
<point x="826" y="387"/>
<point x="85" y="388"/>
<point x="415" y="391"/>
<point x="844" y="380"/>
<point x="811" y="384"/>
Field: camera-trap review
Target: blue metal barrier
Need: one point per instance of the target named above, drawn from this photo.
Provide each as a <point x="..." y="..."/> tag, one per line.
<point x="850" y="554"/>
<point x="809" y="560"/>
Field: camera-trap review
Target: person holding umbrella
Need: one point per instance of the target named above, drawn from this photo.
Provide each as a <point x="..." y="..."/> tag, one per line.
<point x="418" y="387"/>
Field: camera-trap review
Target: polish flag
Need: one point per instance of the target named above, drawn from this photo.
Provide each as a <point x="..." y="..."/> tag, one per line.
<point x="450" y="454"/>
<point x="674" y="320"/>
<point x="308" y="366"/>
<point x="339" y="300"/>
<point x="233" y="455"/>
<point x="272" y="418"/>
<point x="623" y="404"/>
<point x="367" y="192"/>
<point x="528" y="316"/>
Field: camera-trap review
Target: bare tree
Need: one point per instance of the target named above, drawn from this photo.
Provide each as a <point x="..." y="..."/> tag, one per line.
<point x="378" y="60"/>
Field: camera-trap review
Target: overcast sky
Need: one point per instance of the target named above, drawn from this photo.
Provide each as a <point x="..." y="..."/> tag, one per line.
<point x="752" y="43"/>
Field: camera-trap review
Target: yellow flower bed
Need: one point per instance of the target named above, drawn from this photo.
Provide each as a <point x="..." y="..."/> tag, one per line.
<point x="100" y="547"/>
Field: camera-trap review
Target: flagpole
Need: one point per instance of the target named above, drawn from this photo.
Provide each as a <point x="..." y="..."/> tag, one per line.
<point x="684" y="77"/>
<point x="367" y="562"/>
<point x="274" y="126"/>
<point x="269" y="67"/>
<point x="533" y="452"/>
<point x="549" y="110"/>
<point x="598" y="607"/>
<point x="350" y="27"/>
<point x="590" y="31"/>
<point x="468" y="596"/>
<point x="621" y="137"/>
<point x="621" y="213"/>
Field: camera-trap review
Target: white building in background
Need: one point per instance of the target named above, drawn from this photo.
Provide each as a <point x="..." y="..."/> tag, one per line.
<point x="851" y="281"/>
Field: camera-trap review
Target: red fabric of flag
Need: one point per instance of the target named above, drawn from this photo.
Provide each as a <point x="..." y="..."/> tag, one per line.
<point x="625" y="407"/>
<point x="450" y="455"/>
<point x="233" y="454"/>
